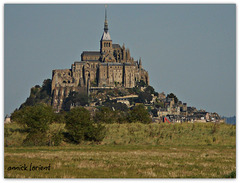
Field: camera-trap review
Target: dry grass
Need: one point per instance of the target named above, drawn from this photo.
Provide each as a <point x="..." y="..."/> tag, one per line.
<point x="134" y="151"/>
<point x="124" y="161"/>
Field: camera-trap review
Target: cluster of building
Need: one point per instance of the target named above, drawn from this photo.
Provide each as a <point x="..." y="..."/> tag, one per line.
<point x="178" y="112"/>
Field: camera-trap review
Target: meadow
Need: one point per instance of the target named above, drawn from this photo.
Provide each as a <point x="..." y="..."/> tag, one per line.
<point x="199" y="150"/>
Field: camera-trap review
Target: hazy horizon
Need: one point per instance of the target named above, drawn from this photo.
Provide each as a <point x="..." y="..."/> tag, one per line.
<point x="188" y="50"/>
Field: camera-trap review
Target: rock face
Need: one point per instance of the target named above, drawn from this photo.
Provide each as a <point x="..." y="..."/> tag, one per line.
<point x="112" y="66"/>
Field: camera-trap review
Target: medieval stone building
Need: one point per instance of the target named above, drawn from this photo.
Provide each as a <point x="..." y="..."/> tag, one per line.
<point x="110" y="67"/>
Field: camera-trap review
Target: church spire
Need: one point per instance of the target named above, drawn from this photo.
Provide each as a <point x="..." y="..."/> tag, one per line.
<point x="106" y="22"/>
<point x="106" y="35"/>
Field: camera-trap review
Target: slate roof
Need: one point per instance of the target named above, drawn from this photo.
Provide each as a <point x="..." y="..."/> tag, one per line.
<point x="106" y="36"/>
<point x="96" y="53"/>
<point x="116" y="46"/>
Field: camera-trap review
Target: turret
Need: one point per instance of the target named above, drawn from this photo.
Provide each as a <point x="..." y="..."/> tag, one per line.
<point x="140" y="63"/>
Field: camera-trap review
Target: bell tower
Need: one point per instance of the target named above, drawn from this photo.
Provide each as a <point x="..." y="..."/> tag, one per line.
<point x="106" y="49"/>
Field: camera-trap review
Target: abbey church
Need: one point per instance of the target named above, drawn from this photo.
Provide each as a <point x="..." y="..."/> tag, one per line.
<point x="110" y="67"/>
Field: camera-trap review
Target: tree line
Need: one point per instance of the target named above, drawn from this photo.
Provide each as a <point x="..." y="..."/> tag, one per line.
<point x="80" y="124"/>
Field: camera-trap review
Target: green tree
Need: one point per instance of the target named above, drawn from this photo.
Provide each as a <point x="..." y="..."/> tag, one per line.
<point x="171" y="95"/>
<point x="81" y="127"/>
<point x="139" y="114"/>
<point x="144" y="97"/>
<point x="105" y="115"/>
<point x="116" y="105"/>
<point x="75" y="99"/>
<point x="141" y="84"/>
<point x="159" y="105"/>
<point x="151" y="90"/>
<point x="36" y="119"/>
<point x="46" y="86"/>
<point x="39" y="94"/>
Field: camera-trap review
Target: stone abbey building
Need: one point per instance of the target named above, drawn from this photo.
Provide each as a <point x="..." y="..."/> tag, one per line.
<point x="110" y="67"/>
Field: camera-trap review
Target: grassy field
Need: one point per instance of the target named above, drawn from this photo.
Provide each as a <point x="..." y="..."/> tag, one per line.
<point x="132" y="151"/>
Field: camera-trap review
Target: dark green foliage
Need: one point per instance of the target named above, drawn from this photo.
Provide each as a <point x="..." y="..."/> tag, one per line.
<point x="171" y="95"/>
<point x="56" y="138"/>
<point x="46" y="86"/>
<point x="80" y="127"/>
<point x="75" y="99"/>
<point x="116" y="106"/>
<point x="136" y="90"/>
<point x="139" y="114"/>
<point x="105" y="115"/>
<point x="60" y="117"/>
<point x="36" y="119"/>
<point x="96" y="133"/>
<point x="154" y="112"/>
<point x="39" y="94"/>
<point x="144" y="97"/>
<point x="36" y="139"/>
<point x="159" y="105"/>
<point x="141" y="84"/>
<point x="150" y="90"/>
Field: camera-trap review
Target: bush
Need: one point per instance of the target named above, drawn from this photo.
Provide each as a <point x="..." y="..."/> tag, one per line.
<point x="57" y="138"/>
<point x="144" y="97"/>
<point x="80" y="127"/>
<point x="36" y="119"/>
<point x="75" y="99"/>
<point x="36" y="139"/>
<point x="139" y="114"/>
<point x="96" y="133"/>
<point x="105" y="115"/>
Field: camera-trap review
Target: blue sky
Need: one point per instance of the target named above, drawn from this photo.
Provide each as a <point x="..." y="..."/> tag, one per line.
<point x="189" y="50"/>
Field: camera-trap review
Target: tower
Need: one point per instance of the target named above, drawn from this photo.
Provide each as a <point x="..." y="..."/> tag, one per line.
<point x="106" y="43"/>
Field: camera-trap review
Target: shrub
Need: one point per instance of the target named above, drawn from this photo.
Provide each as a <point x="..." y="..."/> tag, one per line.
<point x="36" y="139"/>
<point x="36" y="119"/>
<point x="57" y="138"/>
<point x="139" y="113"/>
<point x="81" y="127"/>
<point x="105" y="115"/>
<point x="75" y="99"/>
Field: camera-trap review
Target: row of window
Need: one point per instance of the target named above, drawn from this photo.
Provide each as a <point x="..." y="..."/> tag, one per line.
<point x="106" y="44"/>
